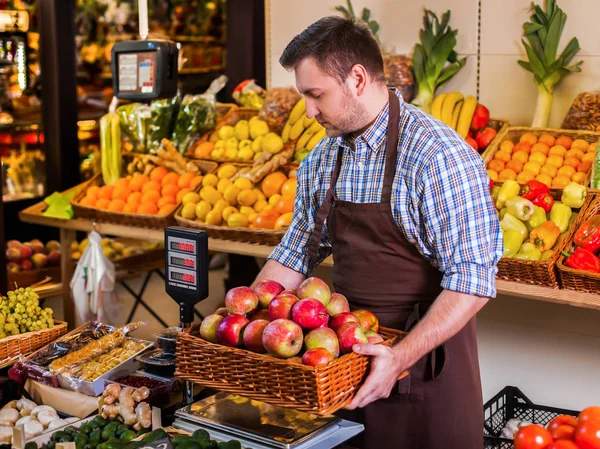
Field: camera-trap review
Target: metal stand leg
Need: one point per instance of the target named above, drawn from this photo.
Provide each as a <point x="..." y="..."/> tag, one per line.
<point x="139" y="300"/>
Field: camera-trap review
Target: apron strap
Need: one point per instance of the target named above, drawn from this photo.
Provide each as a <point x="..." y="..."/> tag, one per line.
<point x="391" y="148"/>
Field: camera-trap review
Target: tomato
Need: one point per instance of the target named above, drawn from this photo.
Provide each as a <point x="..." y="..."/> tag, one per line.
<point x="587" y="434"/>
<point x="590" y="413"/>
<point x="562" y="420"/>
<point x="563" y="444"/>
<point x="532" y="437"/>
<point x="563" y="432"/>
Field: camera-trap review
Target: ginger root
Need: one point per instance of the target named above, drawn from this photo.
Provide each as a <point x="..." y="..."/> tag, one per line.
<point x="140" y="394"/>
<point x="110" y="411"/>
<point x="111" y="394"/>
<point x="143" y="416"/>
<point x="125" y="397"/>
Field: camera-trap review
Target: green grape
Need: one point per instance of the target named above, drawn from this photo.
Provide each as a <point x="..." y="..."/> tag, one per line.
<point x="2" y="335"/>
<point x="2" y="319"/>
<point x="50" y="323"/>
<point x="11" y="319"/>
<point x="22" y="322"/>
<point x="44" y="326"/>
<point x="17" y="316"/>
<point x="2" y="328"/>
<point x="20" y="298"/>
<point x="28" y="323"/>
<point x="8" y="327"/>
<point x="48" y="310"/>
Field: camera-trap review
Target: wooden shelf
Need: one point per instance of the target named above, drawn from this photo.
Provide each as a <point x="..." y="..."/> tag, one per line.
<point x="33" y="215"/>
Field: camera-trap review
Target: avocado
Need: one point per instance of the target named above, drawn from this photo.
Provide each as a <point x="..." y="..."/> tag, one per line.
<point x="128" y="435"/>
<point x="201" y="434"/>
<point x="107" y="434"/>
<point x="31" y="445"/>
<point x="57" y="436"/>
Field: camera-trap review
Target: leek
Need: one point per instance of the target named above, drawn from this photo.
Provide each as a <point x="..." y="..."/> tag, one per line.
<point x="543" y="33"/>
<point x="435" y="49"/>
<point x="365" y="16"/>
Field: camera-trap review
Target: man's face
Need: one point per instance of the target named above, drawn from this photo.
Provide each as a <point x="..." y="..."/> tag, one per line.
<point x="336" y="106"/>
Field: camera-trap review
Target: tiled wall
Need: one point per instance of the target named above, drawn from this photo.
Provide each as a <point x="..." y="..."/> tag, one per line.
<point x="506" y="88"/>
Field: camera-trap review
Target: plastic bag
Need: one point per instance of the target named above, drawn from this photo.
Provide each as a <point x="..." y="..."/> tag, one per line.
<point x="584" y="112"/>
<point x="162" y="120"/>
<point x="93" y="285"/>
<point x="135" y="119"/>
<point x="197" y="115"/>
<point x="279" y="102"/>
<point x="249" y="95"/>
<point x="399" y="74"/>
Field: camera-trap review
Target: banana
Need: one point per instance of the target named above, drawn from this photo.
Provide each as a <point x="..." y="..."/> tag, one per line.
<point x="448" y="106"/>
<point x="315" y="128"/>
<point x="285" y="134"/>
<point x="297" y="129"/>
<point x="436" y="107"/>
<point x="105" y="138"/>
<point x="309" y="121"/>
<point x="466" y="116"/>
<point x="298" y="111"/>
<point x="456" y="113"/>
<point x="304" y="138"/>
<point x="315" y="139"/>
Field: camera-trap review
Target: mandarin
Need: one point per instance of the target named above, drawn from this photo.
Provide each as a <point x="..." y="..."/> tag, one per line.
<point x="522" y="146"/>
<point x="585" y="166"/>
<point x="286" y="204"/>
<point x="182" y="193"/>
<point x="266" y="220"/>
<point x="147" y="208"/>
<point x="92" y="192"/>
<point x="564" y="141"/>
<point x="166" y="209"/>
<point x="122" y="182"/>
<point x="134" y="198"/>
<point x="158" y="173"/>
<point x="196" y="181"/>
<point x="540" y="148"/>
<point x="105" y="192"/>
<point x="496" y="165"/>
<point x="102" y="203"/>
<point x="170" y="178"/>
<point x="185" y="180"/>
<point x="548" y="139"/>
<point x="529" y="138"/>
<point x="137" y="182"/>
<point x="165" y="200"/>
<point x="170" y="190"/>
<point x="507" y="146"/>
<point x="88" y="201"/>
<point x="127" y="209"/>
<point x="121" y="193"/>
<point x="152" y="196"/>
<point x="116" y="205"/>
<point x="273" y="182"/>
<point x="289" y="187"/>
<point x="151" y="185"/>
<point x="284" y="221"/>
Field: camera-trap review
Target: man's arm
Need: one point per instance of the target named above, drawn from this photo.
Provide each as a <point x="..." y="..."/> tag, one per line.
<point x="450" y="312"/>
<point x="287" y="277"/>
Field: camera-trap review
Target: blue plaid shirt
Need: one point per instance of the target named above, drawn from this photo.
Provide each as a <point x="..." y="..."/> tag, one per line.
<point x="440" y="198"/>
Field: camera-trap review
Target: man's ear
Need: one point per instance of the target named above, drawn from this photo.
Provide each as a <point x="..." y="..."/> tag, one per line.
<point x="359" y="77"/>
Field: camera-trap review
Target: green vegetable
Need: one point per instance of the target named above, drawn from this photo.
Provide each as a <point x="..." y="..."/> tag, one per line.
<point x="538" y="218"/>
<point x="197" y="114"/>
<point x="436" y="47"/>
<point x="547" y="255"/>
<point x="107" y="434"/>
<point x="155" y="435"/>
<point x="365" y="15"/>
<point x="560" y="214"/>
<point x="191" y="444"/>
<point x="31" y="445"/>
<point x="512" y="242"/>
<point x="543" y="33"/>
<point x="233" y="444"/>
<point x="502" y="212"/>
<point x="85" y="428"/>
<point x="57" y="436"/>
<point x="96" y="435"/>
<point x="529" y="252"/>
<point x="128" y="435"/>
<point x="51" y="445"/>
<point x="100" y="421"/>
<point x="574" y="195"/>
<point x="201" y="434"/>
<point x="179" y="439"/>
<point x="162" y="121"/>
<point x="66" y="438"/>
<point x="512" y="223"/>
<point x="134" y="120"/>
<point x="113" y="426"/>
<point x="509" y="189"/>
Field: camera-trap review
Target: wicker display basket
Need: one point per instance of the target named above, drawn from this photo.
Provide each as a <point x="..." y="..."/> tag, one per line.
<point x="321" y="390"/>
<point x="27" y="278"/>
<point x="501" y="126"/>
<point x="579" y="280"/>
<point x="535" y="272"/>
<point x="17" y="346"/>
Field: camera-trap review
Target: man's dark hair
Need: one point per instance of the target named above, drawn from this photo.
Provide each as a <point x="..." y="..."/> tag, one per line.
<point x="336" y="44"/>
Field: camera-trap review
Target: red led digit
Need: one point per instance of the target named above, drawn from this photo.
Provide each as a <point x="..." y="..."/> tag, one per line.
<point x="189" y="263"/>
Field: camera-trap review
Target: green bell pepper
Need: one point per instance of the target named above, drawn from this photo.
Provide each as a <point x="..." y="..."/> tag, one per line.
<point x="546" y="255"/>
<point x="538" y="218"/>
<point x="529" y="252"/>
<point x="519" y="207"/>
<point x="502" y="212"/>
<point x="509" y="189"/>
<point x="495" y="191"/>
<point x="560" y="214"/>
<point x="573" y="195"/>
<point x="512" y="223"/>
<point x="512" y="242"/>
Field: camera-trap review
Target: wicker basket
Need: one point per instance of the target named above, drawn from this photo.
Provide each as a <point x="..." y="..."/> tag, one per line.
<point x="542" y="273"/>
<point x="321" y="390"/>
<point x="579" y="280"/>
<point x="17" y="346"/>
<point x="27" y="278"/>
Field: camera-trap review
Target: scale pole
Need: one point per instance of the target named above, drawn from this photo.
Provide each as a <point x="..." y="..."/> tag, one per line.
<point x="143" y="18"/>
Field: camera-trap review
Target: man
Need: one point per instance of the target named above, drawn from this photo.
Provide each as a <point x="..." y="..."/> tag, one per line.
<point x="403" y="204"/>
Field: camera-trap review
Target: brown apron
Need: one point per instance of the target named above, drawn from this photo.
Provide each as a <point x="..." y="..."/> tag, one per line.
<point x="439" y="405"/>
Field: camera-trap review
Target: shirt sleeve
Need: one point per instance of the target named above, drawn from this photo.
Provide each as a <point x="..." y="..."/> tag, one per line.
<point x="292" y="252"/>
<point x="462" y="231"/>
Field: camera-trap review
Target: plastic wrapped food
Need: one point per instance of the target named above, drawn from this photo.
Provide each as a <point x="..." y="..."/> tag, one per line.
<point x="279" y="102"/>
<point x="135" y="119"/>
<point x="249" y="94"/>
<point x="399" y="74"/>
<point x="197" y="114"/>
<point x="584" y="112"/>
<point x="162" y="120"/>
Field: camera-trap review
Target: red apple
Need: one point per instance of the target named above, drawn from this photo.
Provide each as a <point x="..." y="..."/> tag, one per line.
<point x="52" y="245"/>
<point x="374" y="337"/>
<point x="282" y="338"/>
<point x="13" y="267"/>
<point x="473" y="143"/>
<point x="208" y="328"/>
<point x="38" y="247"/>
<point x="230" y="330"/>
<point x="315" y="288"/>
<point x="485" y="137"/>
<point x="54" y="257"/>
<point x="222" y="311"/>
<point x="337" y="304"/>
<point x="367" y="319"/>
<point x="310" y="313"/>
<point x="342" y="318"/>
<point x="260" y="314"/>
<point x="241" y="300"/>
<point x="26" y="252"/>
<point x="13" y="244"/>
<point x="39" y="260"/>
<point x="26" y="265"/>
<point x="266" y="291"/>
<point x="481" y="117"/>
<point x="253" y="336"/>
<point x="281" y="306"/>
<point x="350" y="334"/>
<point x="323" y="337"/>
<point x="316" y="357"/>
<point x="13" y="255"/>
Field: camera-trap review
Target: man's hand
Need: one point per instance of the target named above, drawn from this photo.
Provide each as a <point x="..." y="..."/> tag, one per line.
<point x="385" y="369"/>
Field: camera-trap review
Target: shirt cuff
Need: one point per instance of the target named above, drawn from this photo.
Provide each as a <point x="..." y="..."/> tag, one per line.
<point x="471" y="279"/>
<point x="291" y="259"/>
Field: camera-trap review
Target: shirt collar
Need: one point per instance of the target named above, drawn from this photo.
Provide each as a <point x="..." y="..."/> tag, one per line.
<point x="374" y="135"/>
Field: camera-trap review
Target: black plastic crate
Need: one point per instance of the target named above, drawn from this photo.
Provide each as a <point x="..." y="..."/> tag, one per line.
<point x="512" y="403"/>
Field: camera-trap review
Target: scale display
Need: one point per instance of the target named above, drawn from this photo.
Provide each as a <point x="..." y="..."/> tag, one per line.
<point x="182" y="261"/>
<point x="137" y="72"/>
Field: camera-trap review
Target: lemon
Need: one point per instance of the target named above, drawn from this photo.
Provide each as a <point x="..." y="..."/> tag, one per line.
<point x="237" y="221"/>
<point x="210" y="180"/>
<point x="247" y="211"/>
<point x="252" y="217"/>
<point x="231" y="153"/>
<point x="257" y="144"/>
<point x="274" y="199"/>
<point x="209" y="194"/>
<point x="220" y="206"/>
<point x="189" y="211"/>
<point x="228" y="212"/>
<point x="220" y="144"/>
<point x="247" y="198"/>
<point x="245" y="154"/>
<point x="213" y="218"/>
<point x="190" y="197"/>
<point x="260" y="205"/>
<point x="231" y="194"/>
<point x="261" y="196"/>
<point x="226" y="171"/>
<point x="217" y="153"/>
<point x="243" y="183"/>
<point x="223" y="184"/>
<point x="202" y="208"/>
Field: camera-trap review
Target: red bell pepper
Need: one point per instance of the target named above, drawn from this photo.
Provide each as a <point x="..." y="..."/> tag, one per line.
<point x="491" y="184"/>
<point x="545" y="201"/>
<point x="588" y="234"/>
<point x="533" y="188"/>
<point x="584" y="260"/>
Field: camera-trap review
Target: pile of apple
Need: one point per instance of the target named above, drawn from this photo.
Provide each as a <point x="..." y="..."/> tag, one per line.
<point x="269" y="319"/>
<point x="31" y="255"/>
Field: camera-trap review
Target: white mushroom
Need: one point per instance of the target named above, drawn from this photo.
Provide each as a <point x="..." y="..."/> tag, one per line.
<point x="4" y="422"/>
<point x="45" y="417"/>
<point x="42" y="408"/>
<point x="33" y="429"/>
<point x="11" y="404"/>
<point x="24" y="420"/>
<point x="57" y="423"/>
<point x="25" y="406"/>
<point x="71" y="420"/>
<point x="9" y="414"/>
<point x="6" y="433"/>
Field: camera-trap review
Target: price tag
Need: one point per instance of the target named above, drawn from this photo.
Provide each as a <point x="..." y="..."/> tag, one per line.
<point x="65" y="445"/>
<point x="160" y="444"/>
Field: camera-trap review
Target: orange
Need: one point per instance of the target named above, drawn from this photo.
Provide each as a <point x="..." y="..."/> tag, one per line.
<point x="196" y="181"/>
<point x="560" y="182"/>
<point x="549" y="170"/>
<point x="88" y="201"/>
<point x="571" y="161"/>
<point x="507" y="173"/>
<point x="185" y="180"/>
<point x="500" y="155"/>
<point x="170" y="190"/>
<point x="520" y="156"/>
<point x="538" y="158"/>
<point x="516" y="166"/>
<point x="289" y="188"/>
<point x="272" y="184"/>
<point x="496" y="165"/>
<point x="540" y="148"/>
<point x="151" y="185"/>
<point x="524" y="177"/>
<point x="564" y="141"/>
<point x="147" y="208"/>
<point x="493" y="175"/>
<point x="92" y="192"/>
<point x="584" y="166"/>
<point x="129" y="209"/>
<point x="283" y="221"/>
<point x="134" y="198"/>
<point x="152" y="196"/>
<point x="166" y="200"/>
<point x="170" y="178"/>
<point x="102" y="203"/>
<point x="105" y="192"/>
<point x="529" y="138"/>
<point x="158" y="174"/>
<point x="557" y="150"/>
<point x="507" y="146"/>
<point x="204" y="149"/>
<point x="266" y="220"/>
<point x="557" y="161"/>
<point x="548" y="139"/>
<point x="588" y="157"/>
<point x="121" y="193"/>
<point x="181" y="194"/>
<point x="545" y="179"/>
<point x="122" y="182"/>
<point x="579" y="177"/>
<point x="575" y="152"/>
<point x="286" y="204"/>
<point x="580" y="144"/>
<point x="533" y="167"/>
<point x="166" y="209"/>
<point x="522" y="146"/>
<point x="567" y="171"/>
<point x="137" y="182"/>
<point x="116" y="205"/>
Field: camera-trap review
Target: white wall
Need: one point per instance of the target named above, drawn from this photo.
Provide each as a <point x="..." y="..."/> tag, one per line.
<point x="552" y="352"/>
